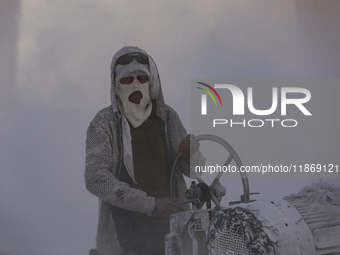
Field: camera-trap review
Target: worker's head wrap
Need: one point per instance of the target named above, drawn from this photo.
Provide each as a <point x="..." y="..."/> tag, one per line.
<point x="136" y="113"/>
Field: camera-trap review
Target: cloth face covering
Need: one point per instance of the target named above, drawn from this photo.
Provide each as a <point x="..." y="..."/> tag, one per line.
<point x="128" y="97"/>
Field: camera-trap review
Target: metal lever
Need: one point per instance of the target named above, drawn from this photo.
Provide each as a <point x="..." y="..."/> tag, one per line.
<point x="243" y="200"/>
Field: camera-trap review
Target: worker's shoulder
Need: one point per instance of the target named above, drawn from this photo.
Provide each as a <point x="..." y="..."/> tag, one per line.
<point x="104" y="116"/>
<point x="170" y="111"/>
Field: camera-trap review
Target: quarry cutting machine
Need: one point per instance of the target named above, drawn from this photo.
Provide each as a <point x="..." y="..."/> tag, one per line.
<point x="307" y="223"/>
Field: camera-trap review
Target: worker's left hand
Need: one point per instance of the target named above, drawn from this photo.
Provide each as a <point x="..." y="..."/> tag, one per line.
<point x="188" y="146"/>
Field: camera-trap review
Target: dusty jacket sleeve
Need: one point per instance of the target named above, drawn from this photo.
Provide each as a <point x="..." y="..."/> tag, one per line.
<point x="178" y="133"/>
<point x="197" y="159"/>
<point x="101" y="153"/>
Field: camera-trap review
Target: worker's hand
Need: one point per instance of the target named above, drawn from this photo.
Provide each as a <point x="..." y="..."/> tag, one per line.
<point x="166" y="206"/>
<point x="188" y="146"/>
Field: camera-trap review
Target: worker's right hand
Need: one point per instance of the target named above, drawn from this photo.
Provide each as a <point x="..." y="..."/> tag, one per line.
<point x="166" y="206"/>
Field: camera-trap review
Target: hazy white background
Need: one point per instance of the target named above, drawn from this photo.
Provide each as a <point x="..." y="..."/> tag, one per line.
<point x="54" y="77"/>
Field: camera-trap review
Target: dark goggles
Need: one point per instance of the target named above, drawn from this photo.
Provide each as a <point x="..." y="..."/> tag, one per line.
<point x="127" y="59"/>
<point x="128" y="80"/>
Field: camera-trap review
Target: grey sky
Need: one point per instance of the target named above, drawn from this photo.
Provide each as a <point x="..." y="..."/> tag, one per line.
<point x="55" y="58"/>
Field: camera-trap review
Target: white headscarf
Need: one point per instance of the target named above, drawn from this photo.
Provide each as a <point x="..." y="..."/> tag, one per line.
<point x="135" y="113"/>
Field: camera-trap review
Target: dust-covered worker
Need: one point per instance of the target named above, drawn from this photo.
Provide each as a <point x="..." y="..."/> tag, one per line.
<point x="130" y="148"/>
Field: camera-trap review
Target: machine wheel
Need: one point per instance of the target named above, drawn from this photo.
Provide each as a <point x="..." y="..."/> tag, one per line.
<point x="232" y="156"/>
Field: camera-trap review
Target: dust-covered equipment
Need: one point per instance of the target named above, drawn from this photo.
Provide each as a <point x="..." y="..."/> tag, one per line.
<point x="319" y="206"/>
<point x="259" y="228"/>
<point x="188" y="229"/>
<point x="307" y="223"/>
